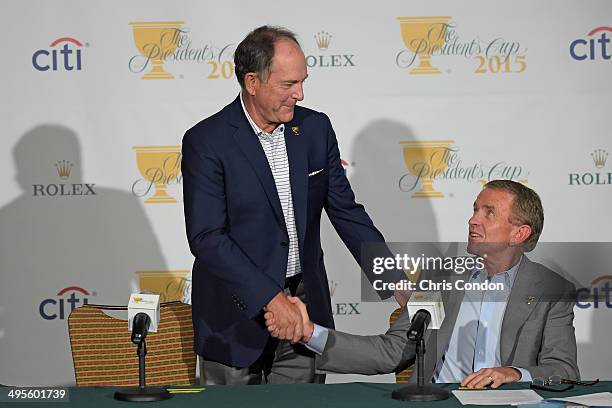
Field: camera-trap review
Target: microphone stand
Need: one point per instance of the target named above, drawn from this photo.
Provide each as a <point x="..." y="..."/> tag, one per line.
<point x="142" y="393"/>
<point x="420" y="392"/>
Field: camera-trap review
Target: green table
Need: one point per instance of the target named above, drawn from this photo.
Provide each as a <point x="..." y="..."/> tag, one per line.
<point x="352" y="395"/>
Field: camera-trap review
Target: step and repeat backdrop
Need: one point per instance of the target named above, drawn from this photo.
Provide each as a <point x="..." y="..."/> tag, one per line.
<point x="96" y="98"/>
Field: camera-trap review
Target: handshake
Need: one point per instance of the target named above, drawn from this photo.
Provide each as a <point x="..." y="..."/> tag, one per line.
<point x="287" y="319"/>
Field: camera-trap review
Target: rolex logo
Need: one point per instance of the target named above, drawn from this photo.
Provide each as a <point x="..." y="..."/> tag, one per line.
<point x="64" y="167"/>
<point x="323" y="39"/>
<point x="600" y="157"/>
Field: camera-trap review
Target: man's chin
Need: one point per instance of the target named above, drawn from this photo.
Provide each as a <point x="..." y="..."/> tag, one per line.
<point x="286" y="115"/>
<point x="472" y="249"/>
<point x="484" y="249"/>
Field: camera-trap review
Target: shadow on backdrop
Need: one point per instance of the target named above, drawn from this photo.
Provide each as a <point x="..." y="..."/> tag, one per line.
<point x="84" y="236"/>
<point x="375" y="165"/>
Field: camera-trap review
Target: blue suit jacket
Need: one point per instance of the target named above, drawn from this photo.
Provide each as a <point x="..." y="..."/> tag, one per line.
<point x="236" y="229"/>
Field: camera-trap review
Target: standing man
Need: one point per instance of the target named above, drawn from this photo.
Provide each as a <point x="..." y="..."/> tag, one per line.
<point x="256" y="177"/>
<point x="488" y="337"/>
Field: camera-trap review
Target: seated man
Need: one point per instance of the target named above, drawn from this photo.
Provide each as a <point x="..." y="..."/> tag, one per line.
<point x="487" y="339"/>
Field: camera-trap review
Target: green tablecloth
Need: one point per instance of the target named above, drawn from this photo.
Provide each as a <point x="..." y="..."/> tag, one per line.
<point x="352" y="395"/>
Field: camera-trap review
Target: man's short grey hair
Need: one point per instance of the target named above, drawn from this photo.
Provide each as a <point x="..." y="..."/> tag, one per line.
<point x="256" y="51"/>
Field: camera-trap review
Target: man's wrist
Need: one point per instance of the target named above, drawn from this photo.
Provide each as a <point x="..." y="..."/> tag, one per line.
<point x="518" y="373"/>
<point x="308" y="331"/>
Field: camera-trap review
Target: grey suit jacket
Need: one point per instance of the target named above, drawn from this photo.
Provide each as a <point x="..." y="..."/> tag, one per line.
<point x="537" y="333"/>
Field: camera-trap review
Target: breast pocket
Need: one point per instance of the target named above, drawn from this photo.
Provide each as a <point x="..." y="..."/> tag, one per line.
<point x="317" y="179"/>
<point x="317" y="188"/>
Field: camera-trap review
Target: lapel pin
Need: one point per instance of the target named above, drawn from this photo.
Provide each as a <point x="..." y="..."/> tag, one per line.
<point x="295" y="130"/>
<point x="530" y="299"/>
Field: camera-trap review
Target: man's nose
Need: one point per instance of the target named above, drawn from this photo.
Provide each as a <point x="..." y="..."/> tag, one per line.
<point x="299" y="93"/>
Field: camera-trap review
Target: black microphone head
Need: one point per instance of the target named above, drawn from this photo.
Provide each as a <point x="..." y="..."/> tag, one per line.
<point x="419" y="323"/>
<point x="140" y="327"/>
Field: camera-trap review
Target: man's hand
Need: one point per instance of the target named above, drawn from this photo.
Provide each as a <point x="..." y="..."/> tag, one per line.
<point x="493" y="377"/>
<point x="287" y="318"/>
<point x="306" y="323"/>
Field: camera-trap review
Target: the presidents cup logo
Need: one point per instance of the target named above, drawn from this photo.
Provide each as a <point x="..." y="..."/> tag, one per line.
<point x="160" y="42"/>
<point x="599" y="158"/>
<point x="427" y="161"/>
<point x="159" y="167"/>
<point x="430" y="38"/>
<point x="170" y="285"/>
<point x="156" y="42"/>
<point x="424" y="36"/>
<point x="432" y="160"/>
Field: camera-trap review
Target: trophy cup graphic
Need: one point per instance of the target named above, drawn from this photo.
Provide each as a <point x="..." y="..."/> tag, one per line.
<point x="170" y="285"/>
<point x="421" y="35"/>
<point x="156" y="41"/>
<point x="158" y="165"/>
<point x="426" y="160"/>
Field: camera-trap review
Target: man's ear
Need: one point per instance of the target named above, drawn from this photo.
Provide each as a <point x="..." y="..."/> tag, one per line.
<point x="251" y="83"/>
<point x="520" y="235"/>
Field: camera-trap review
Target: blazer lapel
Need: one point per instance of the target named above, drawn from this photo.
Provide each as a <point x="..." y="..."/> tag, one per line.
<point x="249" y="143"/>
<point x="297" y="153"/>
<point x="524" y="297"/>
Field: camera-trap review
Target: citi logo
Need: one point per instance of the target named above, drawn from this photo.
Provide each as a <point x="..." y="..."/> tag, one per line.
<point x="596" y="47"/>
<point x="598" y="295"/>
<point x="64" y="54"/>
<point x="60" y="306"/>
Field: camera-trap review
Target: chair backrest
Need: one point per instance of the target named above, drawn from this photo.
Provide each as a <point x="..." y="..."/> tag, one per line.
<point x="103" y="354"/>
<point x="403" y="376"/>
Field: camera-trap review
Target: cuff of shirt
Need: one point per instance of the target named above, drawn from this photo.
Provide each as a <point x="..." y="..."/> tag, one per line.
<point x="318" y="340"/>
<point x="525" y="375"/>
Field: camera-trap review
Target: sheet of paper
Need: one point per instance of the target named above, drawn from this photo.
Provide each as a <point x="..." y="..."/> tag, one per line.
<point x="598" y="399"/>
<point x="497" y="397"/>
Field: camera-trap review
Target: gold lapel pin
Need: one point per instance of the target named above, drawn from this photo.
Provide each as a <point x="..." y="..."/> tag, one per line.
<point x="530" y="299"/>
<point x="296" y="130"/>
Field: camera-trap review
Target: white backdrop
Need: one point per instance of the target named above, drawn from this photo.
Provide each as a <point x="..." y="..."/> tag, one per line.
<point x="540" y="113"/>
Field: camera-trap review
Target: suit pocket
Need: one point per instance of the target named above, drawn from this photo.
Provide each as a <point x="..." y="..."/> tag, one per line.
<point x="317" y="189"/>
<point x="320" y="178"/>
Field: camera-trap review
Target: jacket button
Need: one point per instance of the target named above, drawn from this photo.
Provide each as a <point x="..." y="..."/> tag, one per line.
<point x="284" y="244"/>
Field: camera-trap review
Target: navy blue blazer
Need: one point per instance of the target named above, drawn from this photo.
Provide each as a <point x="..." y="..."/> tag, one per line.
<point x="236" y="229"/>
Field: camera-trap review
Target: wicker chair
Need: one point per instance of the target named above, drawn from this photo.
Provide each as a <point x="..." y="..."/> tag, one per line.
<point x="103" y="354"/>
<point x="403" y="376"/>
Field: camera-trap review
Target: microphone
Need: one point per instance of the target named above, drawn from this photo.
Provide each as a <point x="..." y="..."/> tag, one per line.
<point x="146" y="304"/>
<point x="425" y="308"/>
<point x="143" y="317"/>
<point x="418" y="325"/>
<point x="140" y="327"/>
<point x="429" y="301"/>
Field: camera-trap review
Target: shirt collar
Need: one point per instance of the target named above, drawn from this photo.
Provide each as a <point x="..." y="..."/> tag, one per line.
<point x="280" y="129"/>
<point x="508" y="275"/>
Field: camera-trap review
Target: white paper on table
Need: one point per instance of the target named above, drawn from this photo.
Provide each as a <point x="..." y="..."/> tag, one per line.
<point x="597" y="399"/>
<point x="497" y="397"/>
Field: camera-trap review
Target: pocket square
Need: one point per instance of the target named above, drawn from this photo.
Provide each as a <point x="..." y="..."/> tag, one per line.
<point x="313" y="173"/>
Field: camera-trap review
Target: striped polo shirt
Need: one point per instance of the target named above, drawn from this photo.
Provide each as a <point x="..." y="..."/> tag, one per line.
<point x="273" y="145"/>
